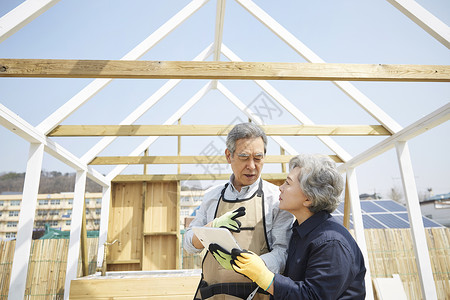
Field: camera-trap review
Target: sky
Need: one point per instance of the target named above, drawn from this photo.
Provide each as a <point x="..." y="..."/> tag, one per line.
<point x="349" y="31"/>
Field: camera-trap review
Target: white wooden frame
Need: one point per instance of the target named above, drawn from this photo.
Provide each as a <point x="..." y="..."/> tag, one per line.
<point x="419" y="15"/>
<point x="39" y="142"/>
<point x="75" y="231"/>
<point x="23" y="14"/>
<point x="26" y="222"/>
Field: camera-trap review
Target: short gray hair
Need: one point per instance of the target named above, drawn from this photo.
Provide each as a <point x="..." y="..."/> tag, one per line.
<point x="244" y="131"/>
<point x="319" y="180"/>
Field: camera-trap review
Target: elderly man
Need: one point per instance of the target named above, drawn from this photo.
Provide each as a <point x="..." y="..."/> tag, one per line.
<point x="247" y="206"/>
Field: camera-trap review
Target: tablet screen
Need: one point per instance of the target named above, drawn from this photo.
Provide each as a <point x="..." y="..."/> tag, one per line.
<point x="221" y="236"/>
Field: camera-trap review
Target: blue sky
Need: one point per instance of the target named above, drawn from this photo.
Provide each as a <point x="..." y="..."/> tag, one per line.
<point x="348" y="31"/>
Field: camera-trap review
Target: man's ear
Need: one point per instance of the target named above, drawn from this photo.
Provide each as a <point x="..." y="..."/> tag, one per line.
<point x="228" y="155"/>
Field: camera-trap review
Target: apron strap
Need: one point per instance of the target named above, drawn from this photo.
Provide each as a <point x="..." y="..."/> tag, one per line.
<point x="238" y="289"/>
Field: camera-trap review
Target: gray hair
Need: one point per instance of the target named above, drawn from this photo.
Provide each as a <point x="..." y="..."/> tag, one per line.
<point x="319" y="180"/>
<point x="244" y="131"/>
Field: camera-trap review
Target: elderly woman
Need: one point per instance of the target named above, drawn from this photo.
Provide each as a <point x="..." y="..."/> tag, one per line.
<point x="324" y="261"/>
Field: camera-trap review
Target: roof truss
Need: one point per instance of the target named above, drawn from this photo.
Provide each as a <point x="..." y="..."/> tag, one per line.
<point x="316" y="70"/>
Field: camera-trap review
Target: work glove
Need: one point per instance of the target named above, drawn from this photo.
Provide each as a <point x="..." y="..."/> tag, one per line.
<point x="228" y="220"/>
<point x="222" y="256"/>
<point x="251" y="265"/>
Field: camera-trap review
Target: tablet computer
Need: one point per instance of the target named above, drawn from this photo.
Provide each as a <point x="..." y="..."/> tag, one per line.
<point x="221" y="236"/>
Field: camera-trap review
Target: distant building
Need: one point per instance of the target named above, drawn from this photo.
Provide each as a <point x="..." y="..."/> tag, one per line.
<point x="189" y="202"/>
<point x="437" y="208"/>
<point x="373" y="196"/>
<point x="52" y="209"/>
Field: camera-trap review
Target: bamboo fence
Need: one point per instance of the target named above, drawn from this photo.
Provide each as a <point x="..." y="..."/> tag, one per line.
<point x="390" y="252"/>
<point x="46" y="268"/>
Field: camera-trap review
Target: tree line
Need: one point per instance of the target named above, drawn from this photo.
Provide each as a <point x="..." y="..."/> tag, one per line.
<point x="50" y="182"/>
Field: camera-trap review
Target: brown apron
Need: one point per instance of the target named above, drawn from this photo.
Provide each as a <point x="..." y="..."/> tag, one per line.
<point x="221" y="284"/>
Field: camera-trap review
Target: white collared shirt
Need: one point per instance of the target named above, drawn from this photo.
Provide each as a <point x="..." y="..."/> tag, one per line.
<point x="278" y="222"/>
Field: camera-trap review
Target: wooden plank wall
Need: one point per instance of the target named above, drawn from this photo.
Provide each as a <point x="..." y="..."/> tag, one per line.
<point x="144" y="217"/>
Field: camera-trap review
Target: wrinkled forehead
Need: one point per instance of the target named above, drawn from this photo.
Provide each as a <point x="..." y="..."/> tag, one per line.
<point x="250" y="146"/>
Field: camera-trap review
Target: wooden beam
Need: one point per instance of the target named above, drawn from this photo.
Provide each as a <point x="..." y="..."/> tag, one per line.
<point x="66" y="68"/>
<point x="213" y="130"/>
<point x="172" y="177"/>
<point x="347" y="209"/>
<point x="214" y="159"/>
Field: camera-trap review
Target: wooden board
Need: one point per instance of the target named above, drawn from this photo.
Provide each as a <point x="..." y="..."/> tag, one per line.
<point x="160" y="207"/>
<point x="213" y="130"/>
<point x="145" y="287"/>
<point x="72" y="68"/>
<point x="125" y="224"/>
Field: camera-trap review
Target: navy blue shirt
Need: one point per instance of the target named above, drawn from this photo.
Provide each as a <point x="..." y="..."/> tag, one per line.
<point x="324" y="262"/>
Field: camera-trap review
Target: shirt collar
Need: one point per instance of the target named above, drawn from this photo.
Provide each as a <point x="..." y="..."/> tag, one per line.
<point x="309" y="224"/>
<point x="245" y="189"/>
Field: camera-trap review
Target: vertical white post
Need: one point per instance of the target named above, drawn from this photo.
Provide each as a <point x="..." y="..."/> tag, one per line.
<point x="75" y="231"/>
<point x="104" y="217"/>
<point x="26" y="220"/>
<point x="358" y="226"/>
<point x="415" y="220"/>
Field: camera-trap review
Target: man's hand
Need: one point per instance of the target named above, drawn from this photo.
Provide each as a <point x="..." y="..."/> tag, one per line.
<point x="252" y="266"/>
<point x="222" y="256"/>
<point x="228" y="220"/>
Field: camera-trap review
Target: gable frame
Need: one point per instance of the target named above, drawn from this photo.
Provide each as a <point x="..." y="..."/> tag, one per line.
<point x="370" y="107"/>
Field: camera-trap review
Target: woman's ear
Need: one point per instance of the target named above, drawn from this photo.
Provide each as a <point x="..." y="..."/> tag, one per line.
<point x="307" y="202"/>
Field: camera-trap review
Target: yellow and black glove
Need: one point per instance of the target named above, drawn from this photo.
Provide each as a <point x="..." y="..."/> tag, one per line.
<point x="222" y="256"/>
<point x="252" y="266"/>
<point x="228" y="220"/>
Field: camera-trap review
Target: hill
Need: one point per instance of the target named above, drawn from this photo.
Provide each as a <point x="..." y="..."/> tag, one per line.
<point x="51" y="182"/>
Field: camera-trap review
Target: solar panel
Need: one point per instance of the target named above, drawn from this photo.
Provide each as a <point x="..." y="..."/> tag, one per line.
<point x="382" y="214"/>
<point x="430" y="223"/>
<point x="391" y="205"/>
<point x="369" y="222"/>
<point x="369" y="206"/>
<point x="403" y="216"/>
<point x="426" y="222"/>
<point x="391" y="220"/>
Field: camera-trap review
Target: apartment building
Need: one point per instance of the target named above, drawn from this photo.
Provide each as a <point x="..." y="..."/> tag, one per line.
<point x="189" y="201"/>
<point x="52" y="209"/>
